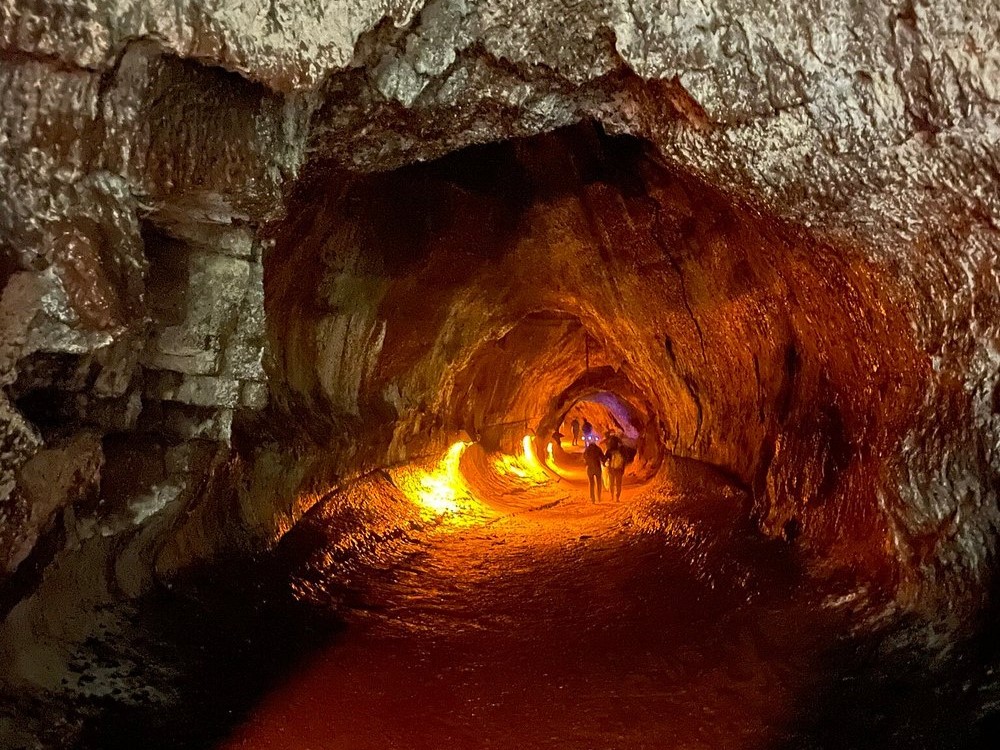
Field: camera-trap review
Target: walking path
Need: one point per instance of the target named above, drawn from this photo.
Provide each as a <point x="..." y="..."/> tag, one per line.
<point x="655" y="623"/>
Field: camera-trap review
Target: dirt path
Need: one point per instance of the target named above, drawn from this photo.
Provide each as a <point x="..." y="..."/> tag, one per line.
<point x="541" y="621"/>
<point x="568" y="627"/>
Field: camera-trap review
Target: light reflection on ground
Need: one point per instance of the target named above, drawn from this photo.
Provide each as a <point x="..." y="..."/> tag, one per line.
<point x="660" y="622"/>
<point x="441" y="491"/>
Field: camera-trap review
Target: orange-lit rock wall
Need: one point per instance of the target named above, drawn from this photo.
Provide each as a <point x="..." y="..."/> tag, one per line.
<point x="789" y="363"/>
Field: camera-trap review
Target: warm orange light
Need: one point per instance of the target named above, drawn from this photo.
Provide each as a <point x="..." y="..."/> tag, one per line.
<point x="525" y="466"/>
<point x="529" y="456"/>
<point x="550" y="462"/>
<point x="442" y="491"/>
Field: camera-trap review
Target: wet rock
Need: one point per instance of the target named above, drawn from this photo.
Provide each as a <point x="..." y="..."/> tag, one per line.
<point x="212" y="289"/>
<point x="62" y="474"/>
<point x="20" y="441"/>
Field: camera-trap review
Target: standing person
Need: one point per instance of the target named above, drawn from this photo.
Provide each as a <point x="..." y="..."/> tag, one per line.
<point x="588" y="430"/>
<point x="594" y="457"/>
<point x="575" y="424"/>
<point x="616" y="460"/>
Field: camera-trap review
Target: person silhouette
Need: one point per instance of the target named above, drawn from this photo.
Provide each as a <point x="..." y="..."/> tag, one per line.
<point x="616" y="460"/>
<point x="594" y="457"/>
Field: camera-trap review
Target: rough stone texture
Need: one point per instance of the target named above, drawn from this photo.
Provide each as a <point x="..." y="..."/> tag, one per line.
<point x="143" y="144"/>
<point x="207" y="345"/>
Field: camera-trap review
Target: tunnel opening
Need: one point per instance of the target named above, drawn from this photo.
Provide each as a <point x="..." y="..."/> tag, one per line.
<point x="768" y="379"/>
<point x="603" y="408"/>
<point x="604" y="401"/>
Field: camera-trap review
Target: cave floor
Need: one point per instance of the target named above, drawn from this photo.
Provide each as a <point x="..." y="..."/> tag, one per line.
<point x="571" y="626"/>
<point x="665" y="621"/>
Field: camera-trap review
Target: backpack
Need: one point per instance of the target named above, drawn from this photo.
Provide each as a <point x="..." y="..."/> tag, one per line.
<point x="617" y="460"/>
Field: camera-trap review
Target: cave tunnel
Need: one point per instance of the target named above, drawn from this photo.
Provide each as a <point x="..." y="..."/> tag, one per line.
<point x="493" y="290"/>
<point x="297" y="357"/>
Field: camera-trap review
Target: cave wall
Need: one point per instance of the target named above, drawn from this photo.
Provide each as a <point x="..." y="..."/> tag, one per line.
<point x="871" y="126"/>
<point x="133" y="289"/>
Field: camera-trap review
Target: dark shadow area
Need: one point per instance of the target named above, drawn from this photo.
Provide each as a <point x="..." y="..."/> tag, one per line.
<point x="204" y="652"/>
<point x="880" y="691"/>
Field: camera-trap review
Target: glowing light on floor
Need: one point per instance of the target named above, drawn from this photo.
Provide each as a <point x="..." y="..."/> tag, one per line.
<point x="526" y="466"/>
<point x="442" y="491"/>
